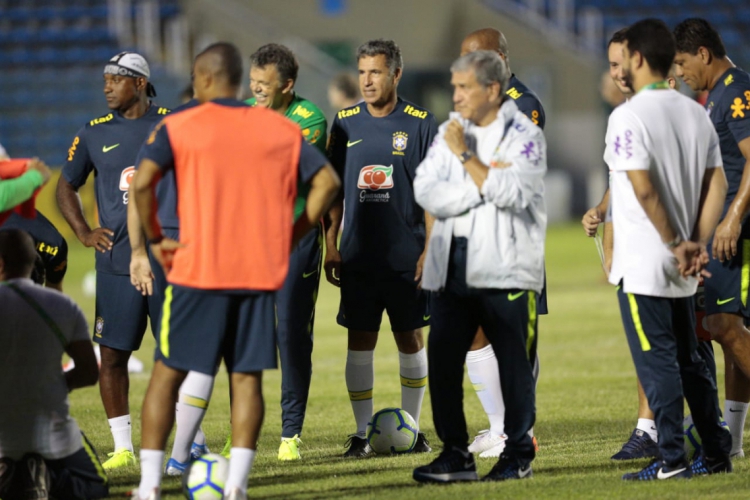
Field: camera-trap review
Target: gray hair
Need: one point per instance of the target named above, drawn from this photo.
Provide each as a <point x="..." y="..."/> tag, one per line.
<point x="387" y="48"/>
<point x="487" y="66"/>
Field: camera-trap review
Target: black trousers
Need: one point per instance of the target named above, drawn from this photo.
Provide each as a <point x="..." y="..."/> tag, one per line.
<point x="661" y="336"/>
<point x="508" y="318"/>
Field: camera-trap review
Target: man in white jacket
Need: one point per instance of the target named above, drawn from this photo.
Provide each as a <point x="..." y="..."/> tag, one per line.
<point x="483" y="182"/>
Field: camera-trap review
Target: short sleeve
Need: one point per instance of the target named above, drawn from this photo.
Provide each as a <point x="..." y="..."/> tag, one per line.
<point x="737" y="114"/>
<point x="315" y="134"/>
<point x="625" y="148"/>
<point x="80" y="329"/>
<point x="57" y="266"/>
<point x="310" y="162"/>
<point x="336" y="151"/>
<point x="157" y="148"/>
<point x="79" y="165"/>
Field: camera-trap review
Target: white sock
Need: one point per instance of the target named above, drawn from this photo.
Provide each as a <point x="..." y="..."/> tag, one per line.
<point x="485" y="377"/>
<point x="151" y="465"/>
<point x="239" y="469"/>
<point x="360" y="378"/>
<point x="649" y="427"/>
<point x="413" y="368"/>
<point x="120" y="427"/>
<point x="195" y="393"/>
<point x="734" y="414"/>
<point x="200" y="437"/>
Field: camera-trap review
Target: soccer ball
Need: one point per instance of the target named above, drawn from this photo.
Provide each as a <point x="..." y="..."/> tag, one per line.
<point x="205" y="477"/>
<point x="692" y="438"/>
<point x="392" y="430"/>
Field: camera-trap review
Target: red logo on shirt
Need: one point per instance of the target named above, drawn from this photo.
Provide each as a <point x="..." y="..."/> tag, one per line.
<point x="125" y="177"/>
<point x="375" y="177"/>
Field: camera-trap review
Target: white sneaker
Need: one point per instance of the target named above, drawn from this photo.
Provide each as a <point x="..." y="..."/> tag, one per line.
<point x="153" y="496"/>
<point x="235" y="494"/>
<point x="738" y="454"/>
<point x="495" y="451"/>
<point x="485" y="441"/>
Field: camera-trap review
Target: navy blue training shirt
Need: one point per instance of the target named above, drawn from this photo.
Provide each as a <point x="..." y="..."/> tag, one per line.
<point x="728" y="106"/>
<point x="527" y="101"/>
<point x="50" y="244"/>
<point x="108" y="146"/>
<point x="166" y="189"/>
<point x="377" y="159"/>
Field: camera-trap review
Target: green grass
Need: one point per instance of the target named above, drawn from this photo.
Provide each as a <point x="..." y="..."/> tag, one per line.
<point x="586" y="405"/>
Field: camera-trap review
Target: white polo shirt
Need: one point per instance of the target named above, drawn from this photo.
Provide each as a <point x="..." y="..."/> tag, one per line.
<point x="669" y="135"/>
<point x="34" y="404"/>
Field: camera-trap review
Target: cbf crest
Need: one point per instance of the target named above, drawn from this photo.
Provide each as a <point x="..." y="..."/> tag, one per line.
<point x="399" y="142"/>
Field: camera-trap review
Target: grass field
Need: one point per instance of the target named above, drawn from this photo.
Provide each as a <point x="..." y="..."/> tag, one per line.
<point x="586" y="406"/>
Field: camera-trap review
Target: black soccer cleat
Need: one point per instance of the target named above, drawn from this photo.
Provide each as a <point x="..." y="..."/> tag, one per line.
<point x="453" y="464"/>
<point x="506" y="469"/>
<point x="7" y="473"/>
<point x="704" y="465"/>
<point x="658" y="470"/>
<point x="358" y="447"/>
<point x="422" y="445"/>
<point x="640" y="445"/>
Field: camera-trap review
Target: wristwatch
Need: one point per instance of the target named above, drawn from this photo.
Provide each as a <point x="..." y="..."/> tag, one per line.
<point x="465" y="156"/>
<point x="675" y="242"/>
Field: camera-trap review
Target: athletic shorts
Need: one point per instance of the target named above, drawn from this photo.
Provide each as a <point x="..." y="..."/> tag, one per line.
<point x="122" y="312"/>
<point x="726" y="291"/>
<point x="199" y="328"/>
<point x="364" y="297"/>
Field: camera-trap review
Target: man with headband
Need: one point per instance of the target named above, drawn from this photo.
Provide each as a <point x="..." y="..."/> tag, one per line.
<point x="108" y="146"/>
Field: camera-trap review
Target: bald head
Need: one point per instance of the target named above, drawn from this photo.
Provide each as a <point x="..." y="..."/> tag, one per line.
<point x="485" y="39"/>
<point x="17" y="254"/>
<point x="217" y="72"/>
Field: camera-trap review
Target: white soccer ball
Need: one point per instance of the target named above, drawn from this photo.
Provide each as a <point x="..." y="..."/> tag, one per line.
<point x="205" y="477"/>
<point x="693" y="444"/>
<point x="392" y="430"/>
<point x="88" y="285"/>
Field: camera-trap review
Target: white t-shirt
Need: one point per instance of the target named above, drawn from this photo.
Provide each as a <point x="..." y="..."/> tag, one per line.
<point x="34" y="404"/>
<point x="669" y="135"/>
<point x="484" y="150"/>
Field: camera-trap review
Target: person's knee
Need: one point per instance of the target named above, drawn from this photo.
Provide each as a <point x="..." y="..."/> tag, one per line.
<point x="114" y="359"/>
<point x="725" y="328"/>
<point x="409" y="342"/>
<point x="362" y="341"/>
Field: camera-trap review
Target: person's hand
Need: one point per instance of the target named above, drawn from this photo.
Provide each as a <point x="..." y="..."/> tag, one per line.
<point x="41" y="167"/>
<point x="420" y="266"/>
<point x="692" y="258"/>
<point x="141" y="276"/>
<point x="99" y="238"/>
<point x="164" y="252"/>
<point x="725" y="239"/>
<point x="454" y="138"/>
<point x="591" y="220"/>
<point x="332" y="267"/>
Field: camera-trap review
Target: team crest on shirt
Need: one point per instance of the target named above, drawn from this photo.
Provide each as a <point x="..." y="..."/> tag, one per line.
<point x="399" y="142"/>
<point x="709" y="108"/>
<point x="98" y="326"/>
<point x="375" y="178"/>
<point x="126" y="177"/>
<point x="533" y="152"/>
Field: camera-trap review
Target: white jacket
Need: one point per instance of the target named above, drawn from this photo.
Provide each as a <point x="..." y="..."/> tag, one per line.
<point x="508" y="218"/>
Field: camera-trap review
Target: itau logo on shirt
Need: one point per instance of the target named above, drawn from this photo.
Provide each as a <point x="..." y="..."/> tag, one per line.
<point x="126" y="177"/>
<point x="375" y="177"/>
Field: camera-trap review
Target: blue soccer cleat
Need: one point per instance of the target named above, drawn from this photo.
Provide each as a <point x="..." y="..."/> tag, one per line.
<point x="175" y="468"/>
<point x="506" y="469"/>
<point x="640" y="445"/>
<point x="703" y="465"/>
<point x="198" y="450"/>
<point x="657" y="470"/>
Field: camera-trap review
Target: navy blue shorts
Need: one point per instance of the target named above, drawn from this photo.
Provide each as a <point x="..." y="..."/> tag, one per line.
<point x="726" y="291"/>
<point x="199" y="328"/>
<point x="122" y="312"/>
<point x="364" y="297"/>
<point x="295" y="302"/>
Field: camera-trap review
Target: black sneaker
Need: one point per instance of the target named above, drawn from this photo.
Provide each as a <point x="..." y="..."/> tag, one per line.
<point x="422" y="445"/>
<point x="507" y="468"/>
<point x="7" y="473"/>
<point x="658" y="470"/>
<point x="703" y="465"/>
<point x="37" y="482"/>
<point x="358" y="447"/>
<point x="640" y="445"/>
<point x="453" y="464"/>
